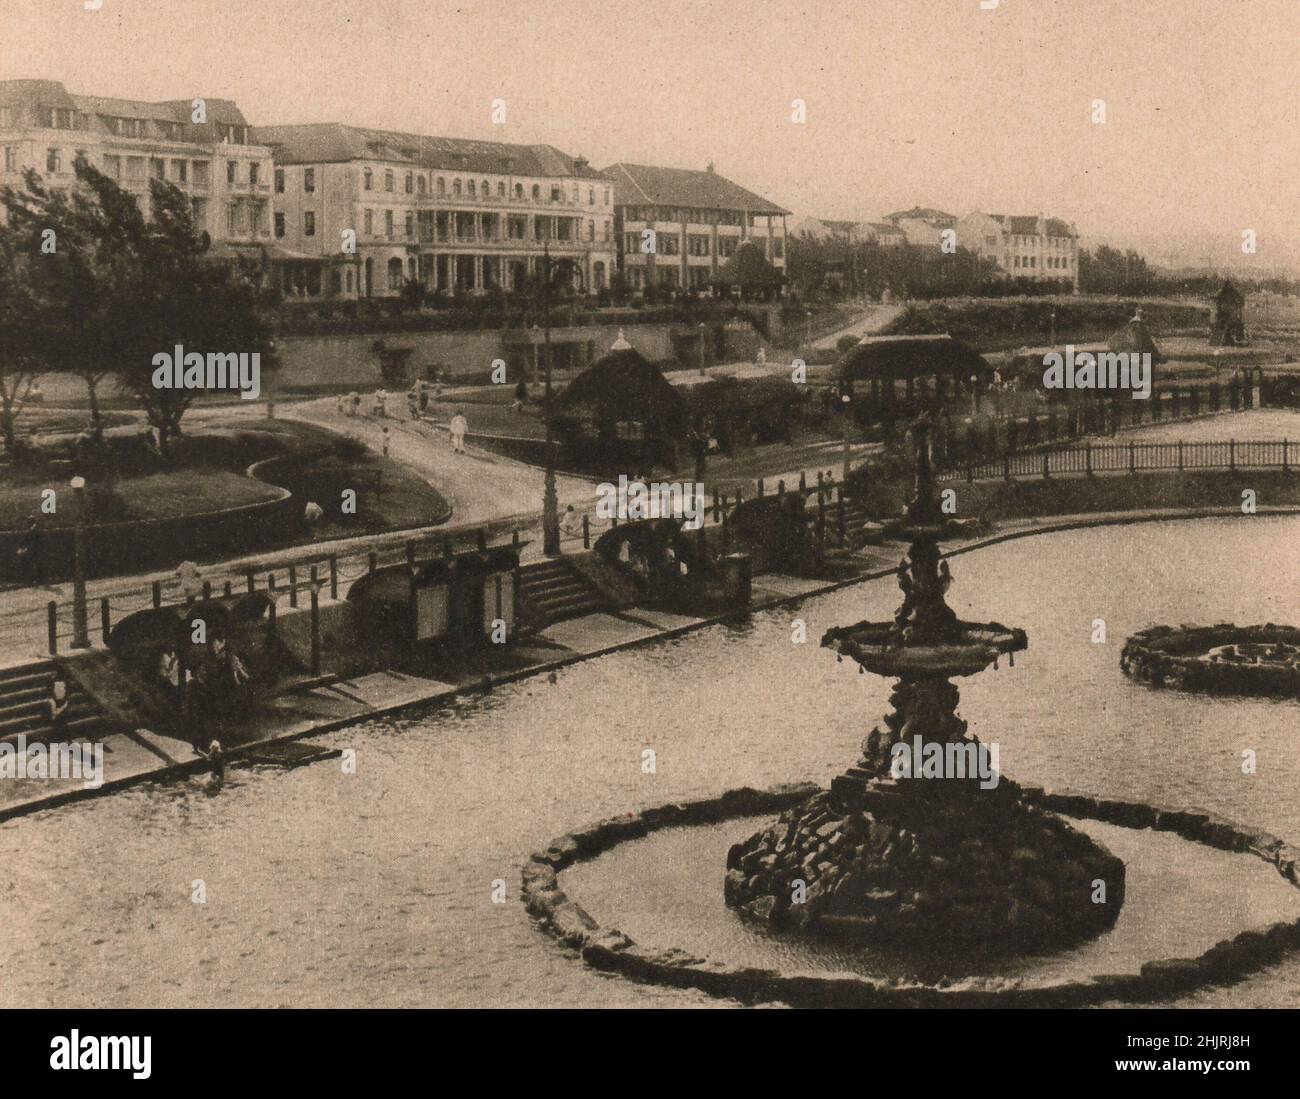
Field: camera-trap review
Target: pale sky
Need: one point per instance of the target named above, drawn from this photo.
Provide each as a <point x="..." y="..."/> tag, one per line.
<point x="929" y="102"/>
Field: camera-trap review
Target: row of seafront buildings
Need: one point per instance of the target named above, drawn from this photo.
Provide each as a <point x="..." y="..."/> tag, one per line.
<point x="1032" y="247"/>
<point x="350" y="212"/>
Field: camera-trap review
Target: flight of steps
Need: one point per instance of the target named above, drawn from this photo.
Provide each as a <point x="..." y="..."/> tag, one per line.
<point x="553" y="591"/>
<point x="24" y="707"/>
<point x="855" y="516"/>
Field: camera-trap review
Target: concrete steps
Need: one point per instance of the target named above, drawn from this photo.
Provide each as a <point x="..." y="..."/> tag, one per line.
<point x="553" y="591"/>
<point x="25" y="711"/>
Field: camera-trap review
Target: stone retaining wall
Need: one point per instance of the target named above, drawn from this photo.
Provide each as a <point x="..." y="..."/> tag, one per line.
<point x="609" y="949"/>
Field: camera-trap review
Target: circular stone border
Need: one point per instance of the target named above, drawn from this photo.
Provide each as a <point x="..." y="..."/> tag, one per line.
<point x="1169" y="656"/>
<point x="608" y="949"/>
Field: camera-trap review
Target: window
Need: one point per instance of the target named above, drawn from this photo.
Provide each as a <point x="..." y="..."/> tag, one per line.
<point x="632" y="243"/>
<point x="426" y="226"/>
<point x="442" y="186"/>
<point x="279" y="225"/>
<point x="370" y="223"/>
<point x="519" y="191"/>
<point x="778" y="247"/>
<point x="557" y="195"/>
<point x="485" y="190"/>
<point x="254" y="171"/>
<point x="369" y="177"/>
<point x="135" y="169"/>
<point x="11" y="159"/>
<point x="410" y="225"/>
<point x="180" y="171"/>
<point x="232" y="169"/>
<point x="309" y="180"/>
<point x="537" y="193"/>
<point x="388" y="224"/>
<point x="112" y="166"/>
<point x="309" y="224"/>
<point x="58" y="118"/>
<point x="517" y="226"/>
<point x="394" y="274"/>
<point x="591" y="230"/>
<point x="670" y="244"/>
<point x="501" y="190"/>
<point x="409" y="183"/>
<point x="52" y="160"/>
<point x="609" y="229"/>
<point x="471" y="189"/>
<point x="8" y="117"/>
<point x="279" y="181"/>
<point x="606" y="196"/>
<point x="200" y="171"/>
<point x="455" y="187"/>
<point x="235" y="217"/>
<point x="390" y="181"/>
<point x="157" y="167"/>
<point x="591" y="196"/>
<point x="419" y="184"/>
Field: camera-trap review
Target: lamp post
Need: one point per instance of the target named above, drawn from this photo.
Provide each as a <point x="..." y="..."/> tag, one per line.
<point x="550" y="500"/>
<point x="844" y="400"/>
<point x="80" y="633"/>
<point x="703" y="330"/>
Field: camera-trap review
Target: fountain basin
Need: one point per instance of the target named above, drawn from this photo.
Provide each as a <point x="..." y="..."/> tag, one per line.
<point x="1016" y="983"/>
<point x="1223" y="659"/>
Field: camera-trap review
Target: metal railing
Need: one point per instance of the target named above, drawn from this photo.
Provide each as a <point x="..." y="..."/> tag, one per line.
<point x="1133" y="458"/>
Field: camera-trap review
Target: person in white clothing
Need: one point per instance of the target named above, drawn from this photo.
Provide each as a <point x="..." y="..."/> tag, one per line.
<point x="459" y="425"/>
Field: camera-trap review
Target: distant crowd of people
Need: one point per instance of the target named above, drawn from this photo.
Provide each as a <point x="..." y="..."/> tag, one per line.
<point x="417" y="407"/>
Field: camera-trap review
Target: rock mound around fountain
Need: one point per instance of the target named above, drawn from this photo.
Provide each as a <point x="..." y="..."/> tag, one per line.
<point x="1223" y="659"/>
<point x="1010" y="876"/>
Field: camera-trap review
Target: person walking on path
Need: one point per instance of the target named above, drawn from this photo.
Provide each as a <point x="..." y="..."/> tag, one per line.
<point x="459" y="426"/>
<point x="385" y="442"/>
<point x="381" y="401"/>
<point x="191" y="580"/>
<point x="354" y="399"/>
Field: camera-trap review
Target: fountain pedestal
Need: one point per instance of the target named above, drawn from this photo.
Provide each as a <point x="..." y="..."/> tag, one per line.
<point x="922" y="839"/>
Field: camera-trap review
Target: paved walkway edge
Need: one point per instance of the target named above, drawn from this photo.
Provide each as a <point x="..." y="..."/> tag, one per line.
<point x="490" y="681"/>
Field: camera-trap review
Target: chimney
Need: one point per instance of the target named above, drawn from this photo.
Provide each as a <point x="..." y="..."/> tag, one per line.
<point x="580" y="164"/>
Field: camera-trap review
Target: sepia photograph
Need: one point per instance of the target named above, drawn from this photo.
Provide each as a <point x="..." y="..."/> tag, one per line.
<point x="645" y="505"/>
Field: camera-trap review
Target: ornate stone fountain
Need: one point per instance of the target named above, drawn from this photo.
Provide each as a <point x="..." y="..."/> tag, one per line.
<point x="922" y="840"/>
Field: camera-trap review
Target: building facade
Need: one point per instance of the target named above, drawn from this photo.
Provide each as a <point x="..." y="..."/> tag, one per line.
<point x="361" y="213"/>
<point x="676" y="227"/>
<point x="214" y="162"/>
<point x="921" y="225"/>
<point x="1028" y="247"/>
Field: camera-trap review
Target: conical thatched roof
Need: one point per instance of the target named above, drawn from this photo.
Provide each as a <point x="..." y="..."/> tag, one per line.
<point x="748" y="267"/>
<point x="910" y="357"/>
<point x="1135" y="339"/>
<point x="625" y="385"/>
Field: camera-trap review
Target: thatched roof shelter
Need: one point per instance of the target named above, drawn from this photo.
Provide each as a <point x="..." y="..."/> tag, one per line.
<point x="890" y="357"/>
<point x="625" y="385"/>
<point x="1229" y="293"/>
<point x="1135" y="339"/>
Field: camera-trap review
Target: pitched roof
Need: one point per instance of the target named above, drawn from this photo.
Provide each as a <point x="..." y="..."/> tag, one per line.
<point x="921" y="213"/>
<point x="335" y="142"/>
<point x="910" y="356"/>
<point x="637" y="184"/>
<point x="1026" y="225"/>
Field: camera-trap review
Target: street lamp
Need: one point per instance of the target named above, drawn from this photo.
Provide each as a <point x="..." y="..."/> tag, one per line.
<point x="550" y="500"/>
<point x="844" y="399"/>
<point x="80" y="631"/>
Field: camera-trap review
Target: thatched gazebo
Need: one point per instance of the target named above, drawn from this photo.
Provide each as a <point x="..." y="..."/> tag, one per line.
<point x="621" y="411"/>
<point x="749" y="270"/>
<point x="942" y="364"/>
<point x="1135" y="339"/>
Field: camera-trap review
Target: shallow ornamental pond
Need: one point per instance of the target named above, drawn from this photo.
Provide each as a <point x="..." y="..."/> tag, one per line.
<point x="378" y="887"/>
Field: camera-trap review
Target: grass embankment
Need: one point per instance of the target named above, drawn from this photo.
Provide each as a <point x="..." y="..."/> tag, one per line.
<point x="991" y="324"/>
<point x="207" y="472"/>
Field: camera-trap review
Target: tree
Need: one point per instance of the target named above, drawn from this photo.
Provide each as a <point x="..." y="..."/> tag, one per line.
<point x="20" y="357"/>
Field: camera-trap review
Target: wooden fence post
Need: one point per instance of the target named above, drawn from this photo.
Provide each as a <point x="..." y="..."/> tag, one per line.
<point x="1180" y="455"/>
<point x="334" y="576"/>
<point x="372" y="561"/>
<point x="251" y="578"/>
<point x="1132" y="457"/>
<point x="1232" y="454"/>
<point x="157" y="594"/>
<point x="586" y="531"/>
<point x="103" y="619"/>
<point x="293" y="585"/>
<point x="52" y="625"/>
<point x="315" y="623"/>
<point x="1087" y="451"/>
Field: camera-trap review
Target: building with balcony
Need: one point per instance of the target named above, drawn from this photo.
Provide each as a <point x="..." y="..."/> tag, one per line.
<point x="1024" y="247"/>
<point x="698" y="219"/>
<point x="225" y="175"/>
<point x="362" y="212"/>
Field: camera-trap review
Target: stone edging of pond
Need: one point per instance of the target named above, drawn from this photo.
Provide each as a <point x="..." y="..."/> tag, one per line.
<point x="605" y="948"/>
<point x="1171" y="656"/>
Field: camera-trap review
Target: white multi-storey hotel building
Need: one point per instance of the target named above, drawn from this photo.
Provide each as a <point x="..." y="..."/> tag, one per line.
<point x="360" y="212"/>
<point x="1027" y="247"/>
<point x="227" y="178"/>
<point x="699" y="220"/>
